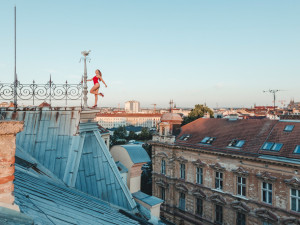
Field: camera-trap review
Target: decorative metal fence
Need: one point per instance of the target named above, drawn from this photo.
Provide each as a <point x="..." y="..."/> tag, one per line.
<point x="41" y="92"/>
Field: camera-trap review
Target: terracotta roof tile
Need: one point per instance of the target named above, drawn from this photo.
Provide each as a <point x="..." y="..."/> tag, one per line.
<point x="255" y="132"/>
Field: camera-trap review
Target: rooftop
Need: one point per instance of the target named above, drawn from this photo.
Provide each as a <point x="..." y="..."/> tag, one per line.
<point x="252" y="134"/>
<point x="137" y="153"/>
<point x="43" y="197"/>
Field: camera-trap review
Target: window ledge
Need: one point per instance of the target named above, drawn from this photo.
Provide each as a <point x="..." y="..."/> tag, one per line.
<point x="218" y="190"/>
<point x="241" y="196"/>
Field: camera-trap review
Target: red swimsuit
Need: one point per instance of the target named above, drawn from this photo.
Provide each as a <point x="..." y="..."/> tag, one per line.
<point x="96" y="80"/>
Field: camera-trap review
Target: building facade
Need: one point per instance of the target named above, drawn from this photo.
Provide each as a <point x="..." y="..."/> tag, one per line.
<point x="219" y="171"/>
<point x="132" y="106"/>
<point x="111" y="120"/>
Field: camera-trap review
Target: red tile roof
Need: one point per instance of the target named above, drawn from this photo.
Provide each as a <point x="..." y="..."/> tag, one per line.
<point x="255" y="132"/>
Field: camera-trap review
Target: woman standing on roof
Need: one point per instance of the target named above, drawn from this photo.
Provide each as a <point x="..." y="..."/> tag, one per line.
<point x="94" y="90"/>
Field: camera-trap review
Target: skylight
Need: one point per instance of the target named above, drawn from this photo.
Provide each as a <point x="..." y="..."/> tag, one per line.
<point x="236" y="143"/>
<point x="297" y="149"/>
<point x="289" y="128"/>
<point x="270" y="146"/>
<point x="207" y="140"/>
<point x="185" y="137"/>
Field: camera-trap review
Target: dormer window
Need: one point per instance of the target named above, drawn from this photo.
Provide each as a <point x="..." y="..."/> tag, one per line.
<point x="289" y="128"/>
<point x="208" y="140"/>
<point x="297" y="150"/>
<point x="236" y="143"/>
<point x="185" y="137"/>
<point x="270" y="146"/>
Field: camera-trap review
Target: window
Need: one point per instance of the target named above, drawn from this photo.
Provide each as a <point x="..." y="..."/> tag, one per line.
<point x="182" y="201"/>
<point x="289" y="128"/>
<point x="297" y="149"/>
<point x="219" y="214"/>
<point x="163" y="130"/>
<point x="267" y="192"/>
<point x="271" y="146"/>
<point x="266" y="223"/>
<point x="295" y="200"/>
<point x="207" y="140"/>
<point x="219" y="180"/>
<point x="185" y="137"/>
<point x="236" y="143"/>
<point x="199" y="175"/>
<point x="162" y="193"/>
<point x="199" y="206"/>
<point x="182" y="171"/>
<point x="241" y="186"/>
<point x="240" y="219"/>
<point x="163" y="166"/>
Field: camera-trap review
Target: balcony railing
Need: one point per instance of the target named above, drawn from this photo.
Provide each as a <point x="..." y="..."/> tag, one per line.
<point x="33" y="93"/>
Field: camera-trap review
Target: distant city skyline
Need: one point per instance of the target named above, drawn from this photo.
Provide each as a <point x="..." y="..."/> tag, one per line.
<point x="220" y="53"/>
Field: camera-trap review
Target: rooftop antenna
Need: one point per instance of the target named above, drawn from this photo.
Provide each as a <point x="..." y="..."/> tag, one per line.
<point x="85" y="91"/>
<point x="15" y="75"/>
<point x="274" y="97"/>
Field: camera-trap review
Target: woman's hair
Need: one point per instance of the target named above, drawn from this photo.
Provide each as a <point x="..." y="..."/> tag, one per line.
<point x="99" y="72"/>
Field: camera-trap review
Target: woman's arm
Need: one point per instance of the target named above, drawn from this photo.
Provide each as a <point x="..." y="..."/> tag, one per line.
<point x="90" y="79"/>
<point x="100" y="78"/>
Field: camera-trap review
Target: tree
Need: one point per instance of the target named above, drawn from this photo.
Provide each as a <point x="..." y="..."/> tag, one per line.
<point x="145" y="134"/>
<point x="132" y="136"/>
<point x="120" y="132"/>
<point x="198" y="112"/>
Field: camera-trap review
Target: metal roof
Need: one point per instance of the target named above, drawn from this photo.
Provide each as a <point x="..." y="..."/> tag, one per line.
<point x="40" y="196"/>
<point x="75" y="153"/>
<point x="137" y="153"/>
<point x="148" y="199"/>
<point x="121" y="167"/>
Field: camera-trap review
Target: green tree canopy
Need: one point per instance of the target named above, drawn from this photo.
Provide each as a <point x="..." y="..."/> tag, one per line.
<point x="198" y="112"/>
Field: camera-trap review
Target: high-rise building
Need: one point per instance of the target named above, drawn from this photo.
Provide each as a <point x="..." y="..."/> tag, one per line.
<point x="132" y="106"/>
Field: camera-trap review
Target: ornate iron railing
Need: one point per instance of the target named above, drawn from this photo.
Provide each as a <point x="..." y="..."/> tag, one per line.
<point x="42" y="92"/>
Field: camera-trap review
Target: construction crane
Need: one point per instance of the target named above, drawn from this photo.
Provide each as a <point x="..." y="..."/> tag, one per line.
<point x="154" y="110"/>
<point x="274" y="97"/>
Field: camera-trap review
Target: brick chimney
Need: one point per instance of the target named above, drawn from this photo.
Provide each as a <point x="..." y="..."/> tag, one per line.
<point x="8" y="131"/>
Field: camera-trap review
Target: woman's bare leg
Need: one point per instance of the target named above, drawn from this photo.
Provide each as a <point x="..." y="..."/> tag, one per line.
<point x="96" y="99"/>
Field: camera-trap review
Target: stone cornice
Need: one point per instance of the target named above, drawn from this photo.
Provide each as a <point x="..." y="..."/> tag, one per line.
<point x="161" y="155"/>
<point x="266" y="176"/>
<point x="266" y="215"/>
<point x="217" y="167"/>
<point x="199" y="163"/>
<point x="181" y="187"/>
<point x="293" y="182"/>
<point x="289" y="221"/>
<point x="198" y="193"/>
<point x="162" y="183"/>
<point x="240" y="206"/>
<point x="241" y="172"/>
<point x="218" y="199"/>
<point x="181" y="159"/>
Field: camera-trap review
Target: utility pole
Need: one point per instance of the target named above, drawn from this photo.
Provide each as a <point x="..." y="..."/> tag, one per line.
<point x="85" y="91"/>
<point x="274" y="98"/>
<point x="15" y="75"/>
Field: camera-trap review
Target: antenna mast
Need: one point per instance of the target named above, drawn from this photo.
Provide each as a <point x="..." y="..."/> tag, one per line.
<point x="15" y="75"/>
<point x="274" y="97"/>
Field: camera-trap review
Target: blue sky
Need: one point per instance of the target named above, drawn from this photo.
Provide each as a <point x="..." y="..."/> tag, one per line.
<point x="223" y="53"/>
